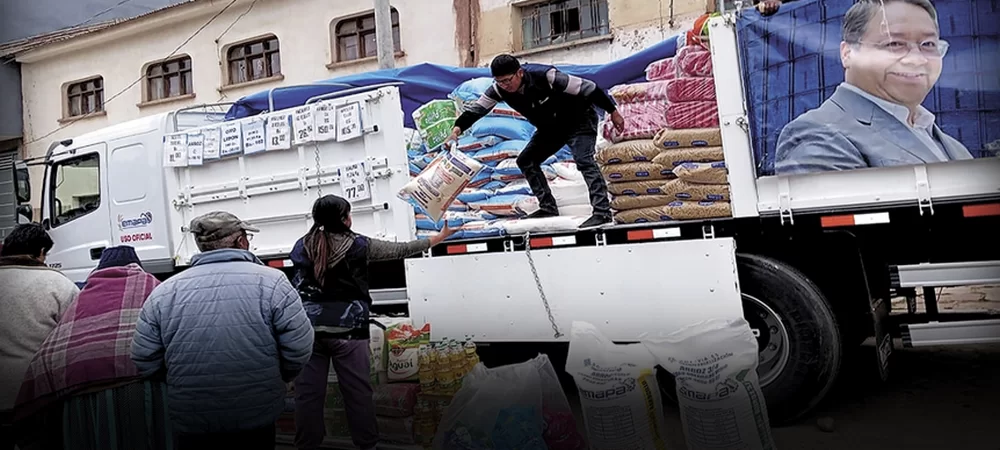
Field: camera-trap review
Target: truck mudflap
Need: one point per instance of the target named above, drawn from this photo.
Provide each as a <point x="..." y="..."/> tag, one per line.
<point x="883" y="341"/>
<point x="534" y="295"/>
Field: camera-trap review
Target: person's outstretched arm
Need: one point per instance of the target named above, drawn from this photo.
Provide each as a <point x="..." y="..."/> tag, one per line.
<point x="379" y="250"/>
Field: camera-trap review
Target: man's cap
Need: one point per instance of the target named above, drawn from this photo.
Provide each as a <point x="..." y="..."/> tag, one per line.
<point x="217" y="225"/>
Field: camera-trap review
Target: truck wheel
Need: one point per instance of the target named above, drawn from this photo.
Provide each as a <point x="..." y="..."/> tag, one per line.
<point x="797" y="335"/>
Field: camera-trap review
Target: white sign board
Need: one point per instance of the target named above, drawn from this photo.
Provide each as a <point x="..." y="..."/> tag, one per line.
<point x="232" y="139"/>
<point x="348" y="122"/>
<point x="279" y="132"/>
<point x="303" y="125"/>
<point x="354" y="181"/>
<point x="325" y="117"/>
<point x="175" y="150"/>
<point x="253" y="135"/>
<point x="195" y="148"/>
<point x="211" y="143"/>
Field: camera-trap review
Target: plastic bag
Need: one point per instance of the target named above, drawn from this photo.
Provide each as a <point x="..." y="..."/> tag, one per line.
<point x="513" y="407"/>
<point x="714" y="364"/>
<point x="437" y="133"/>
<point x="642" y="121"/>
<point x="440" y="183"/>
<point x="693" y="115"/>
<point x="664" y="69"/>
<point x="694" y="61"/>
<point x="639" y="92"/>
<point x="617" y="387"/>
<point x="691" y="90"/>
<point x="434" y="111"/>
<point x="404" y="340"/>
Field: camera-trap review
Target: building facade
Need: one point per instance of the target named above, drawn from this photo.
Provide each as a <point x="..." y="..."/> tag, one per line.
<point x="209" y="51"/>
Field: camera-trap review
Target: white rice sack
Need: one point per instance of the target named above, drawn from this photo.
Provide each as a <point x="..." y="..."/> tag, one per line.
<point x="576" y="210"/>
<point x="440" y="183"/>
<point x="507" y="205"/>
<point x="376" y="348"/>
<point x="715" y="366"/>
<point x="560" y="223"/>
<point x="567" y="171"/>
<point x="569" y="192"/>
<point x="617" y="386"/>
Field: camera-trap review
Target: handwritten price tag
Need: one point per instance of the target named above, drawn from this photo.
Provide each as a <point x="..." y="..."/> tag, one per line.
<point x="354" y="181"/>
<point x="279" y="132"/>
<point x="325" y="116"/>
<point x="303" y="125"/>
<point x="349" y="122"/>
<point x="175" y="152"/>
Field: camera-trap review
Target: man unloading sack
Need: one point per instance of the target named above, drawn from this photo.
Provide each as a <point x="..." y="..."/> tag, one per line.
<point x="561" y="107"/>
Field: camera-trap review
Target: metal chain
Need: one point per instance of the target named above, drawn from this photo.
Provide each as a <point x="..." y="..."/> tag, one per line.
<point x="319" y="184"/>
<point x="538" y="283"/>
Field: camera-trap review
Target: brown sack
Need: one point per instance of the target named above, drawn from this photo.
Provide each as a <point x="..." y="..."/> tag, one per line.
<point x="649" y="187"/>
<point x="706" y="173"/>
<point x="695" y="137"/>
<point x="626" y="202"/>
<point x="683" y="190"/>
<point x="636" y="171"/>
<point x="628" y="151"/>
<point x="676" y="157"/>
<point x="675" y="211"/>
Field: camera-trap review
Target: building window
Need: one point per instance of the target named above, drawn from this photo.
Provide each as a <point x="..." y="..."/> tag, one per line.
<point x="85" y="97"/>
<point x="559" y="21"/>
<point x="171" y="78"/>
<point x="254" y="60"/>
<point x="355" y="37"/>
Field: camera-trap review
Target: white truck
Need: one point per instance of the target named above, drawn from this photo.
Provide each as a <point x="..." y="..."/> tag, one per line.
<point x="811" y="261"/>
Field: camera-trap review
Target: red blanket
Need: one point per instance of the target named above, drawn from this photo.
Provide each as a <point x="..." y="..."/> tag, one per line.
<point x="92" y="344"/>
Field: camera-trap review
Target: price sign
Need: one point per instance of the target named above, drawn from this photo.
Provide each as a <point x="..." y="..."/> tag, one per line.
<point x="354" y="181"/>
<point x="303" y="125"/>
<point x="175" y="150"/>
<point x="279" y="132"/>
<point x="325" y="119"/>
<point x="212" y="140"/>
<point x="348" y="122"/>
<point x="195" y="148"/>
<point x="232" y="139"/>
<point x="253" y="135"/>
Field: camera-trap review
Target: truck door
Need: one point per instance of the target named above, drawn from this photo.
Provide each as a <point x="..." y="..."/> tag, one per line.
<point x="8" y="199"/>
<point x="76" y="210"/>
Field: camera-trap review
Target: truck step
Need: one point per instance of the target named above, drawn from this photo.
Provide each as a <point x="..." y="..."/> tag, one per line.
<point x="951" y="333"/>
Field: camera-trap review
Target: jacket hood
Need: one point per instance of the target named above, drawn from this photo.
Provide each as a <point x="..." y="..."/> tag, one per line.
<point x="224" y="255"/>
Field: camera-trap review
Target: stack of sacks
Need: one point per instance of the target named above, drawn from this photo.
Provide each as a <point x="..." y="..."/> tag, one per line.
<point x="634" y="178"/>
<point x="691" y="92"/>
<point x="644" y="108"/>
<point x="699" y="190"/>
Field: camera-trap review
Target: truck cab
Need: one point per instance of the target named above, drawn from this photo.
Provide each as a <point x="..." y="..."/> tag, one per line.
<point x="15" y="192"/>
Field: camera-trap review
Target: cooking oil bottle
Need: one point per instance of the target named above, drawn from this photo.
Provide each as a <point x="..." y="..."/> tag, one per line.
<point x="426" y="369"/>
<point x="444" y="376"/>
<point x="471" y="355"/>
<point x="457" y="357"/>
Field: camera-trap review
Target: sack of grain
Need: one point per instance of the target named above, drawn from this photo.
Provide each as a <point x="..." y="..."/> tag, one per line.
<point x="636" y="171"/>
<point x="617" y="387"/>
<point x="639" y="92"/>
<point x="691" y="90"/>
<point x="707" y="172"/>
<point x="714" y="364"/>
<point x="648" y="187"/>
<point x="629" y="151"/>
<point x="684" y="190"/>
<point x="404" y="342"/>
<point x="471" y="144"/>
<point x="673" y="158"/>
<point x="695" y="137"/>
<point x="664" y="69"/>
<point x="440" y="183"/>
<point x="507" y="205"/>
<point x="501" y="151"/>
<point x="626" y="202"/>
<point x="687" y="115"/>
<point x="434" y="111"/>
<point x="677" y="210"/>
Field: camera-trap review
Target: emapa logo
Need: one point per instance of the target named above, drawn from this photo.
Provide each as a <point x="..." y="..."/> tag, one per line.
<point x="144" y="219"/>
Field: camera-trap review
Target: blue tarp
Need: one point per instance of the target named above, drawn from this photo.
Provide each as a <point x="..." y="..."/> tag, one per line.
<point x="426" y="82"/>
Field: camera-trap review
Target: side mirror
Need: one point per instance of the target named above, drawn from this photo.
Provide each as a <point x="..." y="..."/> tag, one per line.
<point x="27" y="212"/>
<point x="46" y="224"/>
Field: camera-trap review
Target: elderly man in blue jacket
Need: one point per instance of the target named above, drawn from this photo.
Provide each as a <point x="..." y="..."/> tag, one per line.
<point x="229" y="332"/>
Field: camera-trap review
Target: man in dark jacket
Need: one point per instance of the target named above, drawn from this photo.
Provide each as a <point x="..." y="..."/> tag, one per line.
<point x="561" y="107"/>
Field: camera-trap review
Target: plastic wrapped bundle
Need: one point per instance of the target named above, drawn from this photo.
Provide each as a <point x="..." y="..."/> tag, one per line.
<point x="677" y="210"/>
<point x="639" y="92"/>
<point x="636" y="172"/>
<point x="664" y="69"/>
<point x="676" y="157"/>
<point x="691" y="90"/>
<point x="693" y="115"/>
<point x="629" y="151"/>
<point x="642" y="121"/>
<point x="434" y="111"/>
<point x="694" y="61"/>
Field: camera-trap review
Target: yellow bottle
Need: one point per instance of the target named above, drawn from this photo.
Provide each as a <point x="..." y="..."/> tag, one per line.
<point x="443" y="375"/>
<point x="426" y="370"/>
<point x="457" y="358"/>
<point x="471" y="356"/>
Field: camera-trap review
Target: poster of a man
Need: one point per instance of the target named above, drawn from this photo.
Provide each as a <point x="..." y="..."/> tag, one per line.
<point x="892" y="57"/>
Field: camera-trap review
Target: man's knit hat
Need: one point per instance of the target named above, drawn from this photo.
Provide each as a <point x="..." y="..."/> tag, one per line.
<point x="120" y="256"/>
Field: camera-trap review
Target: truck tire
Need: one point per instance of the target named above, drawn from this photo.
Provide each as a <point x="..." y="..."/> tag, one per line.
<point x="798" y="339"/>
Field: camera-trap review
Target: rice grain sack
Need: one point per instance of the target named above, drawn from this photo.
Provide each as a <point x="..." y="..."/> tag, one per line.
<point x="617" y="387"/>
<point x="643" y="150"/>
<point x="683" y="190"/>
<point x="404" y="342"/>
<point x="695" y="137"/>
<point x="434" y="111"/>
<point x="627" y="202"/>
<point x="721" y="404"/>
<point x="649" y="187"/>
<point x="703" y="172"/>
<point x="686" y="115"/>
<point x="440" y="183"/>
<point x="691" y="90"/>
<point x="636" y="171"/>
<point x="673" y="158"/>
<point x="677" y="210"/>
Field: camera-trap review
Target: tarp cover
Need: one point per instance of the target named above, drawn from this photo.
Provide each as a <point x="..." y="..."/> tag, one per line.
<point x="426" y="82"/>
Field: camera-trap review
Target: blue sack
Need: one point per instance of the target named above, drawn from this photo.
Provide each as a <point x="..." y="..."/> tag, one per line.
<point x="507" y="128"/>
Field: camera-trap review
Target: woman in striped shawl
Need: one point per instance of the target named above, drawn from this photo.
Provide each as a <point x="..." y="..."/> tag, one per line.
<point x="82" y="390"/>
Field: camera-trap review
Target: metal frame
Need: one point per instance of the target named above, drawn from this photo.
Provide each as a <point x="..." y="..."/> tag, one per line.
<point x="270" y="92"/>
<point x="354" y="90"/>
<point x="948" y="274"/>
<point x="966" y="332"/>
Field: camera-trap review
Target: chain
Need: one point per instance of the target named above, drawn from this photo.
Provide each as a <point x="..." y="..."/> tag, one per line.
<point x="538" y="283"/>
<point x="319" y="184"/>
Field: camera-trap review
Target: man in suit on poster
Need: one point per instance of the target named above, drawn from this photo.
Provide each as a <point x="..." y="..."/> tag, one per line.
<point x="892" y="54"/>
